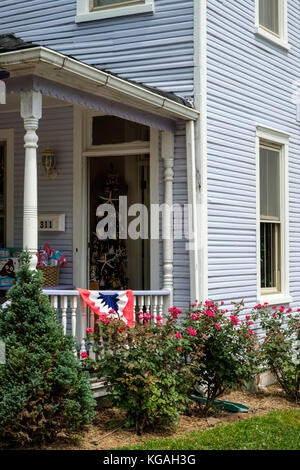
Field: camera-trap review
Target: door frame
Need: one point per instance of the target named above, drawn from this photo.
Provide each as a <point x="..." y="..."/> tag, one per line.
<point x="82" y="150"/>
<point x="7" y="136"/>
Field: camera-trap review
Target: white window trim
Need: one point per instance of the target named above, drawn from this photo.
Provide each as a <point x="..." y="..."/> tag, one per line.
<point x="7" y="135"/>
<point x="84" y="13"/>
<point x="281" y="41"/>
<point x="281" y="138"/>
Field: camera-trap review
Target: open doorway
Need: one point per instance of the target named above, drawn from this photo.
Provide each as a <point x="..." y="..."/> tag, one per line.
<point x="114" y="263"/>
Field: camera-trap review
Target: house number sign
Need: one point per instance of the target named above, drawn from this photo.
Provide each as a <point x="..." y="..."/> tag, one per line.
<point x="52" y="222"/>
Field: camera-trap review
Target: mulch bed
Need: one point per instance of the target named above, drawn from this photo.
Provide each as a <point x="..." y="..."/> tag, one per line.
<point x="108" y="430"/>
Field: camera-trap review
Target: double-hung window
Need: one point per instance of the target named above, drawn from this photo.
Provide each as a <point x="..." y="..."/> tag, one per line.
<point x="273" y="249"/>
<point x="271" y="21"/>
<point x="270" y="217"/>
<point x="89" y="10"/>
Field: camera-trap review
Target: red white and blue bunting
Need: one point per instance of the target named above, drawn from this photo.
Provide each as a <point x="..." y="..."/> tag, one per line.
<point x="117" y="305"/>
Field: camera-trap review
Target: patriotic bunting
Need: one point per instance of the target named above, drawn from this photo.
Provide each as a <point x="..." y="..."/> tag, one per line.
<point x="116" y="305"/>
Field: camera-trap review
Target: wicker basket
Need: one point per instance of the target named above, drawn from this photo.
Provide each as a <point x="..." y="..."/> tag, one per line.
<point x="51" y="275"/>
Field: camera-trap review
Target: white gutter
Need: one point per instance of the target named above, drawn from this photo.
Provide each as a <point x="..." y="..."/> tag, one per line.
<point x="43" y="55"/>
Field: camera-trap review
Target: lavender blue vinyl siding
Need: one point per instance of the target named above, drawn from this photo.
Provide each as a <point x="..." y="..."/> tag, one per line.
<point x="54" y="196"/>
<point x="155" y="49"/>
<point x="250" y="82"/>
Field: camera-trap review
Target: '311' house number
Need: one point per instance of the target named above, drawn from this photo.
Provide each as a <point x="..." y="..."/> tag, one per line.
<point x="52" y="222"/>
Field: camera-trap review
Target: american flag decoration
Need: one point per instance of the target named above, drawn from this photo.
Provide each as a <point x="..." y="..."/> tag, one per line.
<point x="117" y="305"/>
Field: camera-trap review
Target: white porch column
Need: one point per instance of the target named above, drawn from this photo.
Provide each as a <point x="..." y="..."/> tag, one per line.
<point x="31" y="112"/>
<point x="193" y="215"/>
<point x="167" y="215"/>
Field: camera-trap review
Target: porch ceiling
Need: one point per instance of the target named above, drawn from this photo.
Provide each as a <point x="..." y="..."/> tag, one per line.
<point x="53" y="66"/>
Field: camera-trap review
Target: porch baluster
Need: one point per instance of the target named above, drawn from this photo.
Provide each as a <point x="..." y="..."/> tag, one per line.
<point x="83" y="328"/>
<point x="154" y="307"/>
<point x="64" y="307"/>
<point x="148" y="303"/>
<point x="161" y="305"/>
<point x="74" y="304"/>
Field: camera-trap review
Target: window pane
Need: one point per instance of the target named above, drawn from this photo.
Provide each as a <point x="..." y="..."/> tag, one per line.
<point x="103" y="3"/>
<point x="114" y="130"/>
<point x="270" y="254"/>
<point x="269" y="15"/>
<point x="269" y="183"/>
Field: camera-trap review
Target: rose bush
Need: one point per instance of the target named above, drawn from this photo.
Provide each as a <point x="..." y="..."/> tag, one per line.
<point x="280" y="351"/>
<point x="143" y="367"/>
<point x="222" y="348"/>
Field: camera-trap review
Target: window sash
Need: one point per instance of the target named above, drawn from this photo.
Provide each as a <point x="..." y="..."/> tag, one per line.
<point x="269" y="16"/>
<point x="270" y="182"/>
<point x="270" y="257"/>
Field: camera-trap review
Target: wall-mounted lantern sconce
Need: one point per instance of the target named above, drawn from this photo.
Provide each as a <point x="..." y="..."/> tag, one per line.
<point x="49" y="163"/>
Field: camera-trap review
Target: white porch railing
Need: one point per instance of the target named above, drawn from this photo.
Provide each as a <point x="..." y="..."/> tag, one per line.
<point x="75" y="319"/>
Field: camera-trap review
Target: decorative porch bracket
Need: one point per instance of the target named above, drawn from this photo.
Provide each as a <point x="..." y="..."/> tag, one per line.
<point x="167" y="214"/>
<point x="31" y="112"/>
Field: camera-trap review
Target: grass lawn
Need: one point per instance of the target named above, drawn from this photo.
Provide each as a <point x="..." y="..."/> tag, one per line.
<point x="278" y="430"/>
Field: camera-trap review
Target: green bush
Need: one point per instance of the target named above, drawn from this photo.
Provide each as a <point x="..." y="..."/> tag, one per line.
<point x="43" y="390"/>
<point x="280" y="350"/>
<point x="221" y="347"/>
<point x="143" y="367"/>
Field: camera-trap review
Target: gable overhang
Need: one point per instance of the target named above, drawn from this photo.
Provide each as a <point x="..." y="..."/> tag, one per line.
<point x="45" y="67"/>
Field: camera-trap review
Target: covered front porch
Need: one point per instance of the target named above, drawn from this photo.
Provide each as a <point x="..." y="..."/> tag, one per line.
<point x="45" y="97"/>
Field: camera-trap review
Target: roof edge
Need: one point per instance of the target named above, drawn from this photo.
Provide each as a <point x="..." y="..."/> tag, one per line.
<point x="41" y="54"/>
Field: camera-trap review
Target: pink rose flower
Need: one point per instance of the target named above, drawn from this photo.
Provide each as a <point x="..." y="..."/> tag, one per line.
<point x="192" y="332"/>
<point x="209" y="313"/>
<point x="217" y="326"/>
<point x="84" y="355"/>
<point x="178" y="335"/>
<point x="89" y="330"/>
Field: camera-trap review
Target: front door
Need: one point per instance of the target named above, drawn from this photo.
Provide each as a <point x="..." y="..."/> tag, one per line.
<point x="117" y="263"/>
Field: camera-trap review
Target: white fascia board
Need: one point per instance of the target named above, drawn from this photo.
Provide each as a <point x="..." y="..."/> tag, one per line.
<point x="43" y="55"/>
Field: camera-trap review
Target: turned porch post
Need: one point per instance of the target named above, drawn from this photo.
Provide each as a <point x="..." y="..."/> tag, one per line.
<point x="167" y="213"/>
<point x="31" y="112"/>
